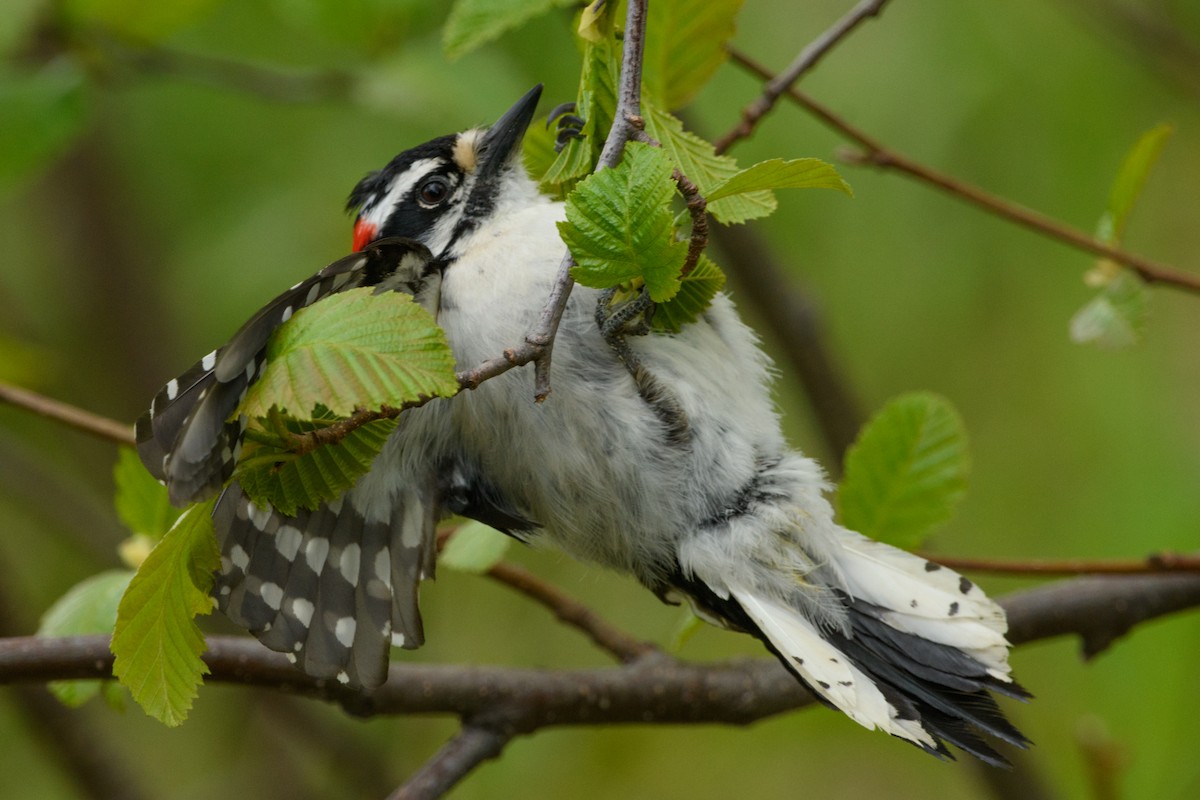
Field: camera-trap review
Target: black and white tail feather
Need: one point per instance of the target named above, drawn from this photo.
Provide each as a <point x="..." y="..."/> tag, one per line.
<point x="716" y="509"/>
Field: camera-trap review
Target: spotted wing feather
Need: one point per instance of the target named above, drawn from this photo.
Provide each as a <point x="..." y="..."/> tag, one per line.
<point x="332" y="588"/>
<point x="187" y="439"/>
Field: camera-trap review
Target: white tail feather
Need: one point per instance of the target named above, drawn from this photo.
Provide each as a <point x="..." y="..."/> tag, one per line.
<point x="925" y="599"/>
<point x="826" y="669"/>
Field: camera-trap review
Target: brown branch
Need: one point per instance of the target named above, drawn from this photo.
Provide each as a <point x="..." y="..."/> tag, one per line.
<point x="697" y="206"/>
<point x="571" y="612"/>
<point x="67" y="414"/>
<point x="806" y="60"/>
<point x="473" y="745"/>
<point x="653" y="689"/>
<point x="875" y="154"/>
<point x="1155" y="563"/>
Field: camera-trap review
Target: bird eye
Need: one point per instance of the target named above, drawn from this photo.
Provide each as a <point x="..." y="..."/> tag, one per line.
<point x="433" y="190"/>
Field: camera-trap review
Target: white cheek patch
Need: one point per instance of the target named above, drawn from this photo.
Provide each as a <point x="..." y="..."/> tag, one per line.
<point x="377" y="214"/>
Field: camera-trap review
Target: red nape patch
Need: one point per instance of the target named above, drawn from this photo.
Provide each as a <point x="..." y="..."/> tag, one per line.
<point x="364" y="232"/>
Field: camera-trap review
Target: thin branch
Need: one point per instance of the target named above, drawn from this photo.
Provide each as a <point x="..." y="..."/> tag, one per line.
<point x="875" y="154"/>
<point x="697" y="206"/>
<point x="652" y="689"/>
<point x="806" y="60"/>
<point x="571" y="612"/>
<point x="1155" y="563"/>
<point x="67" y="414"/>
<point x="473" y="745"/>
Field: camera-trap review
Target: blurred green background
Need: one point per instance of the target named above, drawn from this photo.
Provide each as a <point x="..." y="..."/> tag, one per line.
<point x="149" y="201"/>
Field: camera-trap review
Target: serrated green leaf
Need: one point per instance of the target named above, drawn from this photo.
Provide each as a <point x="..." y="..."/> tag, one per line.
<point x="619" y="225"/>
<point x="276" y="476"/>
<point x="798" y="173"/>
<point x="144" y="20"/>
<point x="474" y="548"/>
<point x="157" y="643"/>
<point x="906" y="472"/>
<point x="596" y="104"/>
<point x="1130" y="180"/>
<point x="88" y="607"/>
<point x="141" y="501"/>
<point x="696" y="158"/>
<point x="696" y="292"/>
<point x="353" y="349"/>
<point x="685" y="44"/>
<point x="42" y="113"/>
<point x="475" y="22"/>
<point x="1116" y="316"/>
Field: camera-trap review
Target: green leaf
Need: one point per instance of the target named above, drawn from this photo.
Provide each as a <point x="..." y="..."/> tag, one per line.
<point x="619" y="225"/>
<point x="157" y="643"/>
<point x="799" y="173"/>
<point x="474" y="548"/>
<point x="41" y="113"/>
<point x="1130" y="180"/>
<point x="685" y="44"/>
<point x="474" y="22"/>
<point x="906" y="472"/>
<point x="596" y="104"/>
<point x="271" y="474"/>
<point x="141" y="500"/>
<point x="147" y="20"/>
<point x="696" y="158"/>
<point x="353" y="349"/>
<point x="696" y="292"/>
<point x="685" y="628"/>
<point x="1116" y="316"/>
<point x="88" y="607"/>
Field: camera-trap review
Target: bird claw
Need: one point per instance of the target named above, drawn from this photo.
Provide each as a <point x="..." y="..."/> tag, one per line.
<point x="569" y="125"/>
<point x="625" y="318"/>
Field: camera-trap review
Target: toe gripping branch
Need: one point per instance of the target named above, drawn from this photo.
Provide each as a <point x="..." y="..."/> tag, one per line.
<point x="569" y="124"/>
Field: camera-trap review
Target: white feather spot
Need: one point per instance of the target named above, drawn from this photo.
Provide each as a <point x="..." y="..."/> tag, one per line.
<point x="287" y="314"/>
<point x="315" y="552"/>
<point x="290" y="657"/>
<point x="344" y="630"/>
<point x="349" y="563"/>
<point x="209" y="361"/>
<point x="259" y="517"/>
<point x="272" y="595"/>
<point x="239" y="557"/>
<point x="287" y="541"/>
<point x="172" y="389"/>
<point x="383" y="566"/>
<point x="343" y="678"/>
<point x="312" y="294"/>
<point x="398" y="640"/>
<point x="298" y="646"/>
<point x="225" y="591"/>
<point x="302" y="610"/>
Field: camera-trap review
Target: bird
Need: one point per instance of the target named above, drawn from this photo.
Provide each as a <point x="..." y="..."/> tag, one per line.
<point x="666" y="463"/>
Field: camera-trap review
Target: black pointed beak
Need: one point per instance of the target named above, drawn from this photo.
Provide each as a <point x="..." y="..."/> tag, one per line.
<point x="502" y="141"/>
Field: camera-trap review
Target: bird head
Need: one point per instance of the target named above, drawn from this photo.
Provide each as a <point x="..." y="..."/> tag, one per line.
<point x="440" y="192"/>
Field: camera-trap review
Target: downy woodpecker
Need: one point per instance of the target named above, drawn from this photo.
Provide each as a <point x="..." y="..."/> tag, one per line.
<point x="678" y="474"/>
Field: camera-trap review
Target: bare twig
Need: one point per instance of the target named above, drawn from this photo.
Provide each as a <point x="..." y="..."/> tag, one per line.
<point x="697" y="206"/>
<point x="806" y="60"/>
<point x="875" y="154"/>
<point x="473" y="745"/>
<point x="1158" y="562"/>
<point x="67" y="414"/>
<point x="571" y="612"/>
